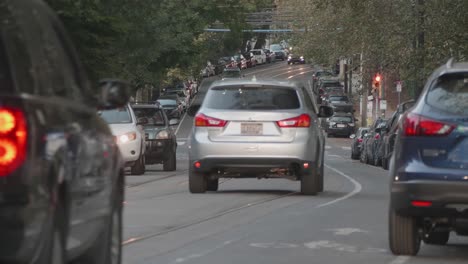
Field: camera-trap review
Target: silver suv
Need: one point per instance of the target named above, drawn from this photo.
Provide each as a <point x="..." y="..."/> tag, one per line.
<point x="257" y="129"/>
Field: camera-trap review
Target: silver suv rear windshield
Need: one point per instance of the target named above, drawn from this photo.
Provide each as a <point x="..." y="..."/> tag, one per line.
<point x="252" y="98"/>
<point x="450" y="93"/>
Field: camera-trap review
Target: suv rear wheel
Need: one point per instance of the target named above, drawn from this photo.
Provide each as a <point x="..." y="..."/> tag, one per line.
<point x="403" y="234"/>
<point x="197" y="182"/>
<point x="310" y="183"/>
<point x="170" y="164"/>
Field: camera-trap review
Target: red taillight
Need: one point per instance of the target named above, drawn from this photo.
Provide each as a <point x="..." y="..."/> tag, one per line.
<point x="416" y="125"/>
<point x="421" y="203"/>
<point x="299" y="121"/>
<point x="359" y="140"/>
<point x="12" y="140"/>
<point x="197" y="165"/>
<point x="377" y="136"/>
<point x="202" y="120"/>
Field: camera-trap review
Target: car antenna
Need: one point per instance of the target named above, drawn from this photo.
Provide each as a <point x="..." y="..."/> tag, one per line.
<point x="450" y="62"/>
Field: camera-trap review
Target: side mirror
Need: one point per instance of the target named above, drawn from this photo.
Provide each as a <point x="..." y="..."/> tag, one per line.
<point x="193" y="109"/>
<point x="113" y="93"/>
<point x="174" y="122"/>
<point x="353" y="136"/>
<point x="325" y="111"/>
<point x="142" y="121"/>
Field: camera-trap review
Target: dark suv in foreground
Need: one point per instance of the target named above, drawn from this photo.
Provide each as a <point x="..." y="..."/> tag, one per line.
<point x="160" y="139"/>
<point x="61" y="173"/>
<point x="429" y="166"/>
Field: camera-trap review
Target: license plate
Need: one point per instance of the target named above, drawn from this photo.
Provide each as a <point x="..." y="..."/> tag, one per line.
<point x="252" y="129"/>
<point x="340" y="125"/>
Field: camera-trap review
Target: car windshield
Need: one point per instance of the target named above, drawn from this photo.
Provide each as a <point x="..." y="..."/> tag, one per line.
<point x="155" y="116"/>
<point x="339" y="98"/>
<point x="323" y="73"/>
<point x="245" y="98"/>
<point x="450" y="94"/>
<point x="231" y="74"/>
<point x="276" y="47"/>
<point x="168" y="102"/>
<point x="116" y="116"/>
<point x="256" y="52"/>
<point x="341" y="119"/>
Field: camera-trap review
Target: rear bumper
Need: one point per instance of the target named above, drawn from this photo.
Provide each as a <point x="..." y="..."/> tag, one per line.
<point x="448" y="198"/>
<point x="340" y="131"/>
<point x="251" y="167"/>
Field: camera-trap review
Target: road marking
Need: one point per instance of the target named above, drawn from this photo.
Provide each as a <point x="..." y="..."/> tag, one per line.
<point x="274" y="245"/>
<point x="301" y="73"/>
<point x="328" y="147"/>
<point x="357" y="188"/>
<point x="181" y="143"/>
<point x="267" y="69"/>
<point x="180" y="124"/>
<point x="400" y="260"/>
<point x="346" y="231"/>
<point x="332" y="245"/>
<point x="346" y="148"/>
<point x="288" y="72"/>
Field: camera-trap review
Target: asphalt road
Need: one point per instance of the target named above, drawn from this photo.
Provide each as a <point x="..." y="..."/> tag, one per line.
<point x="267" y="221"/>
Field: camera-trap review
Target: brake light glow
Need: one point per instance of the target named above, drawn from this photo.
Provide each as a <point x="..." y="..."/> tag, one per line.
<point x="202" y="120"/>
<point x="416" y="125"/>
<point x="359" y="140"/>
<point x="377" y="136"/>
<point x="12" y="140"/>
<point x="421" y="203"/>
<point x="299" y="121"/>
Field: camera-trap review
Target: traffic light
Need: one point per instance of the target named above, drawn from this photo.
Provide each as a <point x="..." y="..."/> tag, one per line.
<point x="376" y="84"/>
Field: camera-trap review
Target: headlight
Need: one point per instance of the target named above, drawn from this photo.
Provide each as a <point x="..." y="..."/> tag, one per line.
<point x="351" y="124"/>
<point x="126" y="137"/>
<point x="289" y="57"/>
<point x="162" y="135"/>
<point x="302" y="57"/>
<point x="332" y="123"/>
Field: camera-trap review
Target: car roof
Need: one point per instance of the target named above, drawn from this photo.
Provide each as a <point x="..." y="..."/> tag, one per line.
<point x="342" y="114"/>
<point x="146" y="105"/>
<point x="254" y="83"/>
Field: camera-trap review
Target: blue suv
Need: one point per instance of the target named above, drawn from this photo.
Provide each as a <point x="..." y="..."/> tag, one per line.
<point x="429" y="166"/>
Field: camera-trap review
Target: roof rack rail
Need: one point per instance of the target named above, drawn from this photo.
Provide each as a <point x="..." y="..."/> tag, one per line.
<point x="450" y="62"/>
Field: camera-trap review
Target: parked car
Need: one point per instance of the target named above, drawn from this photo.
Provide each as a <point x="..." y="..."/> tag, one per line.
<point x="208" y="70"/>
<point x="171" y="106"/>
<point x="61" y="172"/>
<point x="270" y="56"/>
<point x="339" y="103"/>
<point x="232" y="73"/>
<point x="428" y="168"/>
<point x="295" y="58"/>
<point x="222" y="63"/>
<point x="259" y="56"/>
<point x="182" y="96"/>
<point x="256" y="129"/>
<point x="369" y="149"/>
<point x="388" y="138"/>
<point x="356" y="145"/>
<point x="241" y="61"/>
<point x="340" y="124"/>
<point x="280" y="54"/>
<point x="250" y="58"/>
<point x="160" y="139"/>
<point x="129" y="135"/>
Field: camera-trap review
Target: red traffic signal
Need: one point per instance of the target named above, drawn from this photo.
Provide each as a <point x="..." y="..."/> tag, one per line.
<point x="376" y="81"/>
<point x="377" y="78"/>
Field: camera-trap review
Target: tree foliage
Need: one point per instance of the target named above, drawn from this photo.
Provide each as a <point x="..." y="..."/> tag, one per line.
<point x="143" y="40"/>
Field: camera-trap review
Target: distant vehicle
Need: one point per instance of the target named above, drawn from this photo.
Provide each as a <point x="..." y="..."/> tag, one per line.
<point x="222" y="63"/>
<point x="129" y="136"/>
<point x="241" y="61"/>
<point x="257" y="129"/>
<point x="428" y="168"/>
<point x="385" y="149"/>
<point x="270" y="56"/>
<point x="250" y="58"/>
<point x="208" y="70"/>
<point x="280" y="54"/>
<point x="182" y="96"/>
<point x="294" y="58"/>
<point x="369" y="147"/>
<point x="160" y="139"/>
<point x="233" y="73"/>
<point x="171" y="106"/>
<point x="259" y="56"/>
<point x="356" y="146"/>
<point x="340" y="124"/>
<point x="319" y="74"/>
<point x="339" y="102"/>
<point x="61" y="171"/>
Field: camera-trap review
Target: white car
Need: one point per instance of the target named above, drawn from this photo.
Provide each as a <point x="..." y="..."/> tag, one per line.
<point x="259" y="56"/>
<point x="129" y="135"/>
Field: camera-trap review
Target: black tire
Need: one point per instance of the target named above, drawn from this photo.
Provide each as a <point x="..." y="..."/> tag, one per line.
<point x="363" y="157"/>
<point x="170" y="164"/>
<point x="329" y="135"/>
<point x="197" y="182"/>
<point x="321" y="177"/>
<point x="354" y="156"/>
<point x="385" y="163"/>
<point x="310" y="183"/>
<point x="403" y="234"/>
<point x="139" y="167"/>
<point x="377" y="161"/>
<point x="54" y="249"/>
<point x="107" y="249"/>
<point x="212" y="184"/>
<point x="437" y="238"/>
